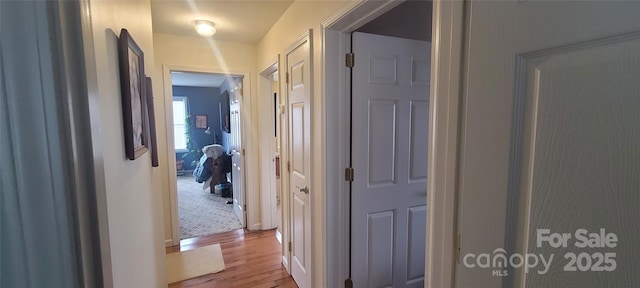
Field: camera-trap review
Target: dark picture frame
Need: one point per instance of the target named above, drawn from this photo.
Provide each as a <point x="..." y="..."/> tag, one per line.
<point x="152" y="124"/>
<point x="201" y="121"/>
<point x="134" y="99"/>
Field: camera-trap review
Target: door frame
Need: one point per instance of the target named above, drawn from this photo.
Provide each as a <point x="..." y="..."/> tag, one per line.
<point x="285" y="155"/>
<point x="253" y="211"/>
<point x="444" y="126"/>
<point x="66" y="90"/>
<point x="268" y="184"/>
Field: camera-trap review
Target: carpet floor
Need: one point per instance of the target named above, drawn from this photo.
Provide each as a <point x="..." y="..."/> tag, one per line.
<point x="202" y="213"/>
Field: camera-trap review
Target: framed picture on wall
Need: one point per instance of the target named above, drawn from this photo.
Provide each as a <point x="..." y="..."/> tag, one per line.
<point x="201" y="121"/>
<point x="134" y="99"/>
<point x="152" y="124"/>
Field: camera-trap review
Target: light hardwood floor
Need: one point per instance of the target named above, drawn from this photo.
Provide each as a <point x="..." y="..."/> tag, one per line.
<point x="252" y="259"/>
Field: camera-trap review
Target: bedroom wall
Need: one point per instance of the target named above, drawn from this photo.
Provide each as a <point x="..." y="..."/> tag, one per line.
<point x="134" y="206"/>
<point x="413" y="14"/>
<point x="226" y="137"/>
<point x="191" y="52"/>
<point x="201" y="101"/>
<point x="225" y="92"/>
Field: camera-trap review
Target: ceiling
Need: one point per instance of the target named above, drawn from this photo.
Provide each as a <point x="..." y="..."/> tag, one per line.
<point x="196" y="79"/>
<point x="245" y="21"/>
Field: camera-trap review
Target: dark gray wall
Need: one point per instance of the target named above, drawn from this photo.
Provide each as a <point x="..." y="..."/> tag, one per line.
<point x="410" y="20"/>
<point x="224" y="89"/>
<point x="202" y="101"/>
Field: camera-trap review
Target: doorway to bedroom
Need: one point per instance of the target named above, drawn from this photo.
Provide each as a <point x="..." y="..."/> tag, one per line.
<point x="206" y="134"/>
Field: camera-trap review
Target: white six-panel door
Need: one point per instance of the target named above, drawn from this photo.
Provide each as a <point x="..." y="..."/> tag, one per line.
<point x="299" y="93"/>
<point x="390" y="120"/>
<point x="550" y="140"/>
<point x="237" y="157"/>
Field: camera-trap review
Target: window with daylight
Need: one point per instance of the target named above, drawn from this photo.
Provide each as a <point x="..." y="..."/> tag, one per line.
<point x="179" y="124"/>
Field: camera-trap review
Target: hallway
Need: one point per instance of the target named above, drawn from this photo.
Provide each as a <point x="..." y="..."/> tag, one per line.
<point x="252" y="259"/>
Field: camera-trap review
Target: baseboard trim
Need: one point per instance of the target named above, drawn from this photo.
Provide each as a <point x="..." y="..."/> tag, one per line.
<point x="286" y="264"/>
<point x="168" y="242"/>
<point x="279" y="236"/>
<point x="255" y="227"/>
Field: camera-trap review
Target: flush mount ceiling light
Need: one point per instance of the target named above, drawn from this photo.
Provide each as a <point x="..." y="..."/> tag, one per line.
<point x="205" y="27"/>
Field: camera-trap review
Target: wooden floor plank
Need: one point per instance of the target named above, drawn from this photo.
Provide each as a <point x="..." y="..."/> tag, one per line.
<point x="252" y="259"/>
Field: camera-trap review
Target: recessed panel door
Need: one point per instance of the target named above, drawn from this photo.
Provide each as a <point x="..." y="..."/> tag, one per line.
<point x="390" y="121"/>
<point x="237" y="156"/>
<point x="299" y="93"/>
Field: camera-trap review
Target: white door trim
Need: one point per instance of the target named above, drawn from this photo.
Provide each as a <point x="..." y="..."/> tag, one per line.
<point x="444" y="126"/>
<point x="446" y="82"/>
<point x="284" y="174"/>
<point x="266" y="147"/>
<point x="253" y="211"/>
<point x="337" y="158"/>
<point x="307" y="36"/>
<point x="42" y="107"/>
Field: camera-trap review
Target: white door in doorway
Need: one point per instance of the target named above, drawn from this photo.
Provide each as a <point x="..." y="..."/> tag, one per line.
<point x="237" y="157"/>
<point x="550" y="143"/>
<point x="390" y="120"/>
<point x="299" y="93"/>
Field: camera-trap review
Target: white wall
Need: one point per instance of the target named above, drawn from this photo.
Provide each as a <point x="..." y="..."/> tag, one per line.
<point x="269" y="219"/>
<point x="197" y="53"/>
<point x="134" y="204"/>
<point x="300" y="17"/>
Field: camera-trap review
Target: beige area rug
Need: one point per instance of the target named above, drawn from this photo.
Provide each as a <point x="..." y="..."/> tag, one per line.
<point x="193" y="263"/>
<point x="202" y="213"/>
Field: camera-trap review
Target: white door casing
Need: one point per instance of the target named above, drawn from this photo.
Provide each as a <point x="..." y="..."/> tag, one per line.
<point x="390" y="120"/>
<point x="237" y="156"/>
<point x="299" y="99"/>
<point x="172" y="198"/>
<point x="269" y="198"/>
<point x="550" y="140"/>
<point x="284" y="174"/>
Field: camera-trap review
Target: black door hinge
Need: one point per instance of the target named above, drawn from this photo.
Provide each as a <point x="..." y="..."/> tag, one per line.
<point x="350" y="60"/>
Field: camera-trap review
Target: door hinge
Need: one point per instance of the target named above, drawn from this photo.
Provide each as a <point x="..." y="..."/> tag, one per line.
<point x="457" y="249"/>
<point x="244" y="207"/>
<point x="348" y="174"/>
<point x="350" y="60"/>
<point x="348" y="283"/>
<point x="287" y="77"/>
<point x="288" y="166"/>
<point x="289" y="246"/>
<point x="241" y="92"/>
<point x="243" y="152"/>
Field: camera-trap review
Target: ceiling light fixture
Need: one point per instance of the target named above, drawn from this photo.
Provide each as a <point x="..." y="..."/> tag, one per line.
<point x="205" y="28"/>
